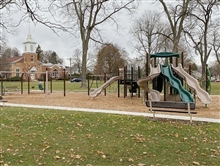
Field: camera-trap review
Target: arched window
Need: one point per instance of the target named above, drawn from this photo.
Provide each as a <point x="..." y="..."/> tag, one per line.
<point x="32" y="48"/>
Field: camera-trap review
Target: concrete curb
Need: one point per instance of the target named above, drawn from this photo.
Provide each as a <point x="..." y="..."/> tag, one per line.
<point x="115" y="112"/>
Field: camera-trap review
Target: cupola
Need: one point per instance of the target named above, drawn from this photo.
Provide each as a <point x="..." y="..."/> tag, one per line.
<point x="29" y="45"/>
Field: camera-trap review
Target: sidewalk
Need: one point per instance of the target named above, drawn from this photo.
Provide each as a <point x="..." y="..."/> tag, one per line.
<point x="116" y="112"/>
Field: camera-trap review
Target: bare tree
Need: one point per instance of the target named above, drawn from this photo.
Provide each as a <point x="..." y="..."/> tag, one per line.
<point x="145" y="33"/>
<point x="153" y="35"/>
<point x="176" y="14"/>
<point x="10" y="52"/>
<point x="10" y="7"/>
<point x="164" y="41"/>
<point x="88" y="16"/>
<point x="77" y="61"/>
<point x="187" y="56"/>
<point x="215" y="69"/>
<point x="85" y="17"/>
<point x="4" y="21"/>
<point x="215" y="36"/>
<point x="199" y="28"/>
<point x="37" y="11"/>
<point x="51" y="57"/>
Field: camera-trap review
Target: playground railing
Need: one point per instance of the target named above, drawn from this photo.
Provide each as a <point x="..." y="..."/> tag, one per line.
<point x="172" y="107"/>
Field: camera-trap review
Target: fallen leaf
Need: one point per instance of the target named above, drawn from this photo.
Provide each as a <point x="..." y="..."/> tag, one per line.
<point x="78" y="124"/>
<point x="56" y="157"/>
<point x="176" y="135"/>
<point x="185" y="138"/>
<point x="100" y="152"/>
<point x="141" y="164"/>
<point x="75" y="156"/>
<point x="195" y="163"/>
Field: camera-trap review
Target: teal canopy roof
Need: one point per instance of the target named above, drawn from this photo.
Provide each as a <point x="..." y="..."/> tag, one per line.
<point x="164" y="55"/>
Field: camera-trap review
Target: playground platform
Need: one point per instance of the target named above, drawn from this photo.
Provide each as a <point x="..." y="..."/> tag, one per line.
<point x="176" y="117"/>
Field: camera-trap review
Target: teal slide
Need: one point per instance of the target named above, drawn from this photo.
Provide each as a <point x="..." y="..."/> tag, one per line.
<point x="175" y="83"/>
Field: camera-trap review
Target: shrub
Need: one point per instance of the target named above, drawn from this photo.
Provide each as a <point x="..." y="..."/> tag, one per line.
<point x="16" y="78"/>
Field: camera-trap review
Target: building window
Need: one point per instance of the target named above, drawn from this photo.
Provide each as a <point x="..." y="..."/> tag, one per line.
<point x="55" y="74"/>
<point x="25" y="48"/>
<point x="32" y="58"/>
<point x="32" y="48"/>
<point x="17" y="73"/>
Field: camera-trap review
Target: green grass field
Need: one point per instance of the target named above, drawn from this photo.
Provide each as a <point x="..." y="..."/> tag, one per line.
<point x="52" y="137"/>
<point x="59" y="86"/>
<point x="215" y="88"/>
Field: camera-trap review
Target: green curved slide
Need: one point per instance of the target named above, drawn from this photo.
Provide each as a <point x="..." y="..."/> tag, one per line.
<point x="176" y="83"/>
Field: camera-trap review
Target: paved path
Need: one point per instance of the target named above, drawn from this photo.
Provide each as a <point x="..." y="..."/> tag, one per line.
<point x="116" y="112"/>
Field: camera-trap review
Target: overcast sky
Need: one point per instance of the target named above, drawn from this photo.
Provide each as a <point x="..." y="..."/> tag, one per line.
<point x="65" y="44"/>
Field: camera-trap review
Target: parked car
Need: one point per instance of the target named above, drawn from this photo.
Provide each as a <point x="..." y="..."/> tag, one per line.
<point x="212" y="79"/>
<point x="76" y="80"/>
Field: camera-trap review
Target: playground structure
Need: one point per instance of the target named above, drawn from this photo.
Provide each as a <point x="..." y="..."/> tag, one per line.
<point x="167" y="76"/>
<point x="193" y="84"/>
<point x="126" y="77"/>
<point x="154" y="72"/>
<point x="98" y="91"/>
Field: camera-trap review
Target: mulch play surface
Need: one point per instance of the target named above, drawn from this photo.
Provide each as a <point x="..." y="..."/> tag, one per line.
<point x="109" y="102"/>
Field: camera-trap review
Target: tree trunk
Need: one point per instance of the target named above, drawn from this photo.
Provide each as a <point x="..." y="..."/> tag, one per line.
<point x="84" y="60"/>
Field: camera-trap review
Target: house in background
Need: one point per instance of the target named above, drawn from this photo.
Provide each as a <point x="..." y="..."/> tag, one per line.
<point x="28" y="63"/>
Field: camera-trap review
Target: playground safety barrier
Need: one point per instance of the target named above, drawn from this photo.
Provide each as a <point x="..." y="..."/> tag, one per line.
<point x="170" y="106"/>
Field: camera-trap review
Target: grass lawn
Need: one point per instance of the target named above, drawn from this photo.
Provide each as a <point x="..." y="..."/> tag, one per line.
<point x="51" y="137"/>
<point x="59" y="85"/>
<point x="215" y="88"/>
<point x="76" y="86"/>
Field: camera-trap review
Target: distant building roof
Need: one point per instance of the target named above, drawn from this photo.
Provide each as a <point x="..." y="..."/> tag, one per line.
<point x="51" y="65"/>
<point x="13" y="59"/>
<point x="47" y="64"/>
<point x="17" y="58"/>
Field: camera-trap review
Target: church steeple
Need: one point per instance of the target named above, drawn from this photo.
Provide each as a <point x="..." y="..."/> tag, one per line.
<point x="29" y="44"/>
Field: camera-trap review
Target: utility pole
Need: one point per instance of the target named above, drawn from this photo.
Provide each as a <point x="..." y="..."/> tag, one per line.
<point x="70" y="59"/>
